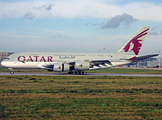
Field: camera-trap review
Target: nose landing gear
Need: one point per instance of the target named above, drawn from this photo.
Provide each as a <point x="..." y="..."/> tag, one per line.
<point x="11" y="71"/>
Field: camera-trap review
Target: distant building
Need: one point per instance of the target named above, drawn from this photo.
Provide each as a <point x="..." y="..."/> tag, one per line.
<point x="3" y="55"/>
<point x="154" y="63"/>
<point x="143" y="63"/>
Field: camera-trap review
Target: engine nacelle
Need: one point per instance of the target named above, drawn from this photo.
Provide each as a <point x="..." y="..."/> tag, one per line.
<point x="82" y="65"/>
<point x="59" y="67"/>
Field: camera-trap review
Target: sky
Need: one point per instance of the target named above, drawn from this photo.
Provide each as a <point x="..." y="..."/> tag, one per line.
<point x="78" y="25"/>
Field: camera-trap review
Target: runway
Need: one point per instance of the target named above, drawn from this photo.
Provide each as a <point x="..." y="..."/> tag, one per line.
<point x="88" y="74"/>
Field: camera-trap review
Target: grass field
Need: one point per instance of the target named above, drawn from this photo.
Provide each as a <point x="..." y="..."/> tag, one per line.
<point x="85" y="97"/>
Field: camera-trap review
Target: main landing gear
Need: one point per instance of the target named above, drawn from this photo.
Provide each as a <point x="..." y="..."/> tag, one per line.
<point x="77" y="72"/>
<point x="11" y="71"/>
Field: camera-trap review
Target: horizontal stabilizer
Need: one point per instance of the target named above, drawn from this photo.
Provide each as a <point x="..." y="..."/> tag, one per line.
<point x="138" y="58"/>
<point x="145" y="57"/>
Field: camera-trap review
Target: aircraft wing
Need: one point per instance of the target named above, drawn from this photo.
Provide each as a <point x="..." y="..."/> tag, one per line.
<point x="100" y="61"/>
<point x="93" y="62"/>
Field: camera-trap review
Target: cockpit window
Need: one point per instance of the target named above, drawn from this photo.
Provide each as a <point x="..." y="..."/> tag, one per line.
<point x="7" y="58"/>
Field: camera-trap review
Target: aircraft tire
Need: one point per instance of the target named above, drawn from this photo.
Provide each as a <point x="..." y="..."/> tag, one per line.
<point x="70" y="72"/>
<point x="12" y="72"/>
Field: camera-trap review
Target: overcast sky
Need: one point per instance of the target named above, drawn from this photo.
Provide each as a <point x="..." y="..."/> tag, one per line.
<point x="78" y="25"/>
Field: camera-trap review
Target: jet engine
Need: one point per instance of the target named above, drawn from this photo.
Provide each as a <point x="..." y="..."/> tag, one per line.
<point x="79" y="65"/>
<point x="59" y="67"/>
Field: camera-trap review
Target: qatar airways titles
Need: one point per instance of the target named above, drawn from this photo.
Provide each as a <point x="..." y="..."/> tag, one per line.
<point x="41" y="58"/>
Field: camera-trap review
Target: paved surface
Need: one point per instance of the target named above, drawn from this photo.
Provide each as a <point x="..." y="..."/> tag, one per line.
<point x="88" y="74"/>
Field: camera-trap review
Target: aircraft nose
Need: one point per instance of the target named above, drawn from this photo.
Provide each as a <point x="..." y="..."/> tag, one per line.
<point x="3" y="63"/>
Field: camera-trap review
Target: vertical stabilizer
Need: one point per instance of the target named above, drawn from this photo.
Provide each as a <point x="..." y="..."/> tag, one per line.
<point x="134" y="44"/>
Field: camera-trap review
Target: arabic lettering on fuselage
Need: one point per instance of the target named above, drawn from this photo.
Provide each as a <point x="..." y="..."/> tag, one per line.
<point x="41" y="58"/>
<point x="66" y="57"/>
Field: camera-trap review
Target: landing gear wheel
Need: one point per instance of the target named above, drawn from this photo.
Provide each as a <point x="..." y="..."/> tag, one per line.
<point x="12" y="72"/>
<point x="78" y="73"/>
<point x="70" y="72"/>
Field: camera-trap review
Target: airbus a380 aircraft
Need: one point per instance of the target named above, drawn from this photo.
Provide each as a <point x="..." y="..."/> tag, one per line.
<point x="76" y="63"/>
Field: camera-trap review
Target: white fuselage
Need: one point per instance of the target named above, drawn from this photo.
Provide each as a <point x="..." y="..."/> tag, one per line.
<point x="41" y="60"/>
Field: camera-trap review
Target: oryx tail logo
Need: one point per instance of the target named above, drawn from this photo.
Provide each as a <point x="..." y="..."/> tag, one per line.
<point x="135" y="44"/>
